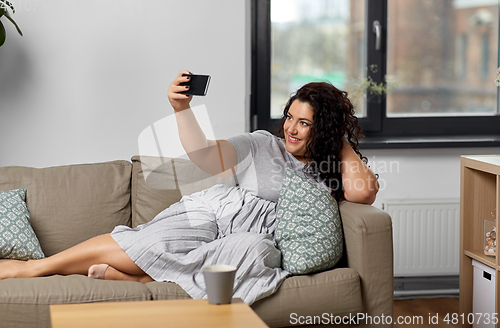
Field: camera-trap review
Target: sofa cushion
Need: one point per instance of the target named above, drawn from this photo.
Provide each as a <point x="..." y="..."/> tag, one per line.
<point x="25" y="302"/>
<point x="335" y="292"/>
<point x="158" y="182"/>
<point x="70" y="204"/>
<point x="308" y="227"/>
<point x="166" y="291"/>
<point x="147" y="200"/>
<point x="17" y="238"/>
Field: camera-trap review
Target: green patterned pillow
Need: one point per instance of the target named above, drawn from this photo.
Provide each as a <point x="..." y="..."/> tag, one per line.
<point x="17" y="238"/>
<point x="308" y="227"/>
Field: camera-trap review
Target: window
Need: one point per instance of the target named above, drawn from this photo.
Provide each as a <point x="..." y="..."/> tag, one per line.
<point x="310" y="41"/>
<point x="435" y="60"/>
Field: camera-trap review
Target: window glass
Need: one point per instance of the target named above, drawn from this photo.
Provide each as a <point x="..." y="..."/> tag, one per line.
<point x="317" y="40"/>
<point x="442" y="54"/>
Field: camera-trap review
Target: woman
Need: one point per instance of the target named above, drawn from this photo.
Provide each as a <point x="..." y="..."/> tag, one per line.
<point x="319" y="139"/>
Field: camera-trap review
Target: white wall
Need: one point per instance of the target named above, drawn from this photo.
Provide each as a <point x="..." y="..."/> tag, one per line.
<point x="419" y="173"/>
<point x="89" y="76"/>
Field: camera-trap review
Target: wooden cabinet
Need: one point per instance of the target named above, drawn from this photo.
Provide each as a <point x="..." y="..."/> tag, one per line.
<point x="479" y="201"/>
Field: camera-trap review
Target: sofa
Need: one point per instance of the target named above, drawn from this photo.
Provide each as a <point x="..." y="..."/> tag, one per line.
<point x="72" y="203"/>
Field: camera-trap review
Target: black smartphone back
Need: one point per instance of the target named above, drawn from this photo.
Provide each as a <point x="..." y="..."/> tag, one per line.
<point x="198" y="85"/>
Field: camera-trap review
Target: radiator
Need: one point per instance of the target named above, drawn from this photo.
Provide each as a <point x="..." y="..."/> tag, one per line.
<point x="426" y="236"/>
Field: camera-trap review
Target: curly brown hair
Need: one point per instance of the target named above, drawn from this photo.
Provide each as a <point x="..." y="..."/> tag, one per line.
<point x="333" y="119"/>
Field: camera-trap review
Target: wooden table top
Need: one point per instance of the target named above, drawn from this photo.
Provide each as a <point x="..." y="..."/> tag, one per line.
<point x="150" y="314"/>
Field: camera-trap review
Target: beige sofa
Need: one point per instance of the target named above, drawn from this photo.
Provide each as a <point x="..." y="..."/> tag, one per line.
<point x="69" y="204"/>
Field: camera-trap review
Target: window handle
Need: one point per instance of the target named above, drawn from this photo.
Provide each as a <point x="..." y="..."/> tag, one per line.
<point x="377" y="29"/>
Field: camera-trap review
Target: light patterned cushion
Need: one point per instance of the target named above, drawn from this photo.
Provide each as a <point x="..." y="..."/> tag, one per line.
<point x="308" y="227"/>
<point x="17" y="238"/>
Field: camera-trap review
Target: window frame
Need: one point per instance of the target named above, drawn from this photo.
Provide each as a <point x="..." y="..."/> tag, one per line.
<point x="380" y="131"/>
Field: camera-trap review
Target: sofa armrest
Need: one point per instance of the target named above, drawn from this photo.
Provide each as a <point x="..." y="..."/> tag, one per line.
<point x="368" y="238"/>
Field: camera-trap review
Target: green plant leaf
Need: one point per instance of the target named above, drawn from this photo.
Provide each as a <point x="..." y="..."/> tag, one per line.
<point x="4" y="4"/>
<point x="13" y="22"/>
<point x="2" y="34"/>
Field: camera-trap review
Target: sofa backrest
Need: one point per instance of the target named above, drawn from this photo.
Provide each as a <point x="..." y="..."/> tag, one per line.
<point x="70" y="204"/>
<point x="158" y="182"/>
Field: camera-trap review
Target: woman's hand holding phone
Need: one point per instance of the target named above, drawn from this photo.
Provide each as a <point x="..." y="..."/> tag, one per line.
<point x="178" y="100"/>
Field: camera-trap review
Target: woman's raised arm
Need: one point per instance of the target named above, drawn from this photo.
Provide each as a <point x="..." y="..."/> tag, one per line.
<point x="212" y="156"/>
<point x="360" y="184"/>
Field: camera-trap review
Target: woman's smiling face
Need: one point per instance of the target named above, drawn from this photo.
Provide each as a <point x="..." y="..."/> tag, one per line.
<point x="297" y="129"/>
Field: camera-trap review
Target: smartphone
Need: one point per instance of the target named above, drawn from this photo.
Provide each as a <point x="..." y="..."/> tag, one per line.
<point x="198" y="85"/>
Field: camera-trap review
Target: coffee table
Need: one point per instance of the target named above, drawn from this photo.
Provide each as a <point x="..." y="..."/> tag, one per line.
<point x="151" y="314"/>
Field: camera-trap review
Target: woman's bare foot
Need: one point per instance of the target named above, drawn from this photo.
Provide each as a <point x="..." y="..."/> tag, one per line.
<point x="98" y="271"/>
<point x="14" y="269"/>
<point x="107" y="272"/>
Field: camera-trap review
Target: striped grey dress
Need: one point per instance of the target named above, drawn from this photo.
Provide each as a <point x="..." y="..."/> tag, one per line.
<point x="223" y="224"/>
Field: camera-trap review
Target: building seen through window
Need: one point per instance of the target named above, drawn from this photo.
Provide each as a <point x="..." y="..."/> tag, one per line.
<point x="441" y="55"/>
